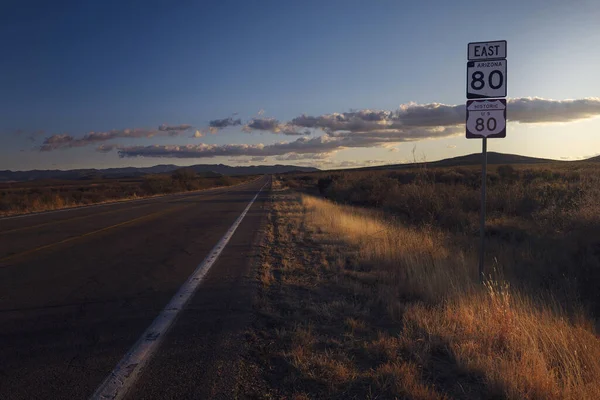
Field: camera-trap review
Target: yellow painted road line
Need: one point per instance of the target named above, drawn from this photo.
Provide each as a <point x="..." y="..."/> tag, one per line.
<point x="185" y="195"/>
<point x="73" y="238"/>
<point x="60" y="221"/>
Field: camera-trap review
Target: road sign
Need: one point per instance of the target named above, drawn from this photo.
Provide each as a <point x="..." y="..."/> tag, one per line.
<point x="486" y="50"/>
<point x="486" y="79"/>
<point x="486" y="119"/>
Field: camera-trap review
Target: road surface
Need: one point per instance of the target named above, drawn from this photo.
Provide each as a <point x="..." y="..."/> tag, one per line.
<point x="78" y="288"/>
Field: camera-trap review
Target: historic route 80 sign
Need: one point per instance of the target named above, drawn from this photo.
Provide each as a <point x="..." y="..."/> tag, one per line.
<point x="486" y="118"/>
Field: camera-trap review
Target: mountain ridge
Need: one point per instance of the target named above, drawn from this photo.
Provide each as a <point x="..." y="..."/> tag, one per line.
<point x="493" y="158"/>
<point x="133" y="172"/>
<point x="222" y="169"/>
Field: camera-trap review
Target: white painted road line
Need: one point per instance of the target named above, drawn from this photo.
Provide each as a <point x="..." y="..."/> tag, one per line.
<point x="124" y="375"/>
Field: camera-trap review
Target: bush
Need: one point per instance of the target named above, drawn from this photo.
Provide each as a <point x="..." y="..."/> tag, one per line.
<point x="507" y="173"/>
<point x="323" y="184"/>
<point x="185" y="179"/>
<point x="224" y="181"/>
<point x="156" y="184"/>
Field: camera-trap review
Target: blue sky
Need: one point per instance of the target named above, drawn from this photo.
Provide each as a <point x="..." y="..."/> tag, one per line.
<point x="70" y="68"/>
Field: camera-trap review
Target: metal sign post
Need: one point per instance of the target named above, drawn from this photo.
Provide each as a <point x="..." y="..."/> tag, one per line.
<point x="483" y="196"/>
<point x="486" y="79"/>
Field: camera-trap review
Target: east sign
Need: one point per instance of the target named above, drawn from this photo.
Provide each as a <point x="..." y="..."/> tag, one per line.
<point x="486" y="50"/>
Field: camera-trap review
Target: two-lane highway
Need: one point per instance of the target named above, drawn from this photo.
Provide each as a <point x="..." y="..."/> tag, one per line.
<point x="78" y="287"/>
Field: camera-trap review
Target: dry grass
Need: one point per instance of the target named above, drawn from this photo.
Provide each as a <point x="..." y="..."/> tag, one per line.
<point x="543" y="221"/>
<point x="397" y="255"/>
<point x="520" y="347"/>
<point x="521" y="350"/>
<point x="355" y="305"/>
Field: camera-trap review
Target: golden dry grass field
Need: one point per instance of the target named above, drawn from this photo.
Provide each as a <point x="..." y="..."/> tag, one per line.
<point x="369" y="286"/>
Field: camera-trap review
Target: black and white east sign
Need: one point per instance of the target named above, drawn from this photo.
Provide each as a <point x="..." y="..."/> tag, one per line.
<point x="486" y="79"/>
<point x="486" y="118"/>
<point x="486" y="50"/>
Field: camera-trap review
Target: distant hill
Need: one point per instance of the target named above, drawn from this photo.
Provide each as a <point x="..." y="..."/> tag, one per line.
<point x="471" y="159"/>
<point x="492" y="158"/>
<point x="593" y="159"/>
<point x="132" y="172"/>
<point x="221" y="169"/>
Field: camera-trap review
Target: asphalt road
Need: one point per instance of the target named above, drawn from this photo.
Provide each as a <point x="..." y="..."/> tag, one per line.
<point x="79" y="287"/>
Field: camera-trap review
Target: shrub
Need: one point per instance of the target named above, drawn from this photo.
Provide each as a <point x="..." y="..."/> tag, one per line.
<point x="156" y="184"/>
<point x="507" y="173"/>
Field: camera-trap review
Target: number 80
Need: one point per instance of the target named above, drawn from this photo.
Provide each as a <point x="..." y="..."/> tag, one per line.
<point x="490" y="124"/>
<point x="477" y="82"/>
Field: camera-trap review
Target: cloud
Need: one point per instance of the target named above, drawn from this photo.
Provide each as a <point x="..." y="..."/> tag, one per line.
<point x="106" y="148"/>
<point x="329" y="164"/>
<point x="353" y="129"/>
<point x="290" y="130"/>
<point x="410" y="122"/>
<point x="57" y="141"/>
<point x="303" y="145"/>
<point x="218" y="124"/>
<point x="64" y="141"/>
<point x="262" y="124"/>
<point x="538" y="110"/>
<point x="309" y="156"/>
<point x="451" y="146"/>
<point x="274" y="126"/>
<point x="198" y="134"/>
<point x="435" y="117"/>
<point x="413" y="122"/>
<point x="324" y="144"/>
<point x="358" y="164"/>
<point x="590" y="156"/>
<point x="178" y="128"/>
<point x="355" y="121"/>
<point x="248" y="160"/>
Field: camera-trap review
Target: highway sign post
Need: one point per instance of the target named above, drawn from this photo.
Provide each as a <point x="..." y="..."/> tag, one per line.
<point x="486" y="79"/>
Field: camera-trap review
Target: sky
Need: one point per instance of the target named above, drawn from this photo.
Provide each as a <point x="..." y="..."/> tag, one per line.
<point x="331" y="84"/>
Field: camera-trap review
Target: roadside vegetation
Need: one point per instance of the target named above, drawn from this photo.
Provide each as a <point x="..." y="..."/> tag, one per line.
<point x="542" y="221"/>
<point x="369" y="285"/>
<point x="35" y="196"/>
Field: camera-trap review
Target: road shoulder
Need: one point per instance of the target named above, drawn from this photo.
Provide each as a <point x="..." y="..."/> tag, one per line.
<point x="321" y="331"/>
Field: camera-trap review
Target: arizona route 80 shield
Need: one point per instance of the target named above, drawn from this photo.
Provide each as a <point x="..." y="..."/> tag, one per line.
<point x="486" y="118"/>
